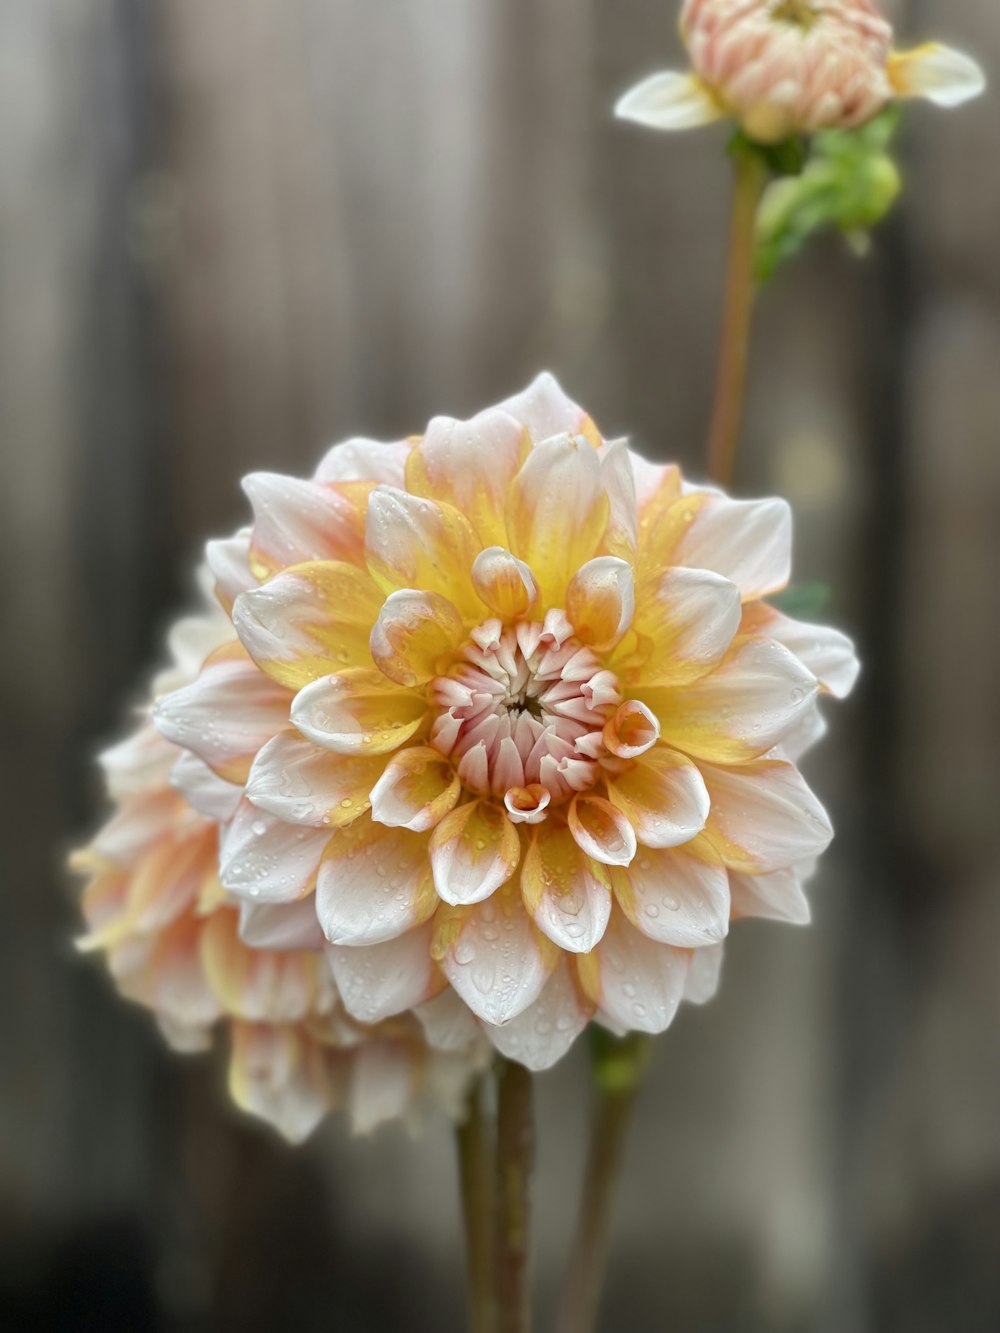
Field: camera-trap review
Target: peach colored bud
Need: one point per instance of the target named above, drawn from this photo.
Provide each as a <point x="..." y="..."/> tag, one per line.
<point x="786" y="67"/>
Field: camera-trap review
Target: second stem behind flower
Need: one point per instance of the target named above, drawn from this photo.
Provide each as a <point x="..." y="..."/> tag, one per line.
<point x="734" y="345"/>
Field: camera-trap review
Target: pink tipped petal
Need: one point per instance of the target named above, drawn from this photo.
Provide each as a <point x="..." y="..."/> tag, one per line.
<point x="663" y="797"/>
<point x="417" y="543"/>
<point x="691" y="616"/>
<point x="308" y="620"/>
<point x="374" y="884"/>
<point x="565" y="891"/>
<point x="704" y="974"/>
<point x="416" y="632"/>
<point x="527" y="805"/>
<point x="777" y="896"/>
<point x="540" y="1036"/>
<point x="470" y="465"/>
<point x="416" y="790"/>
<point x="764" y="817"/>
<point x="302" y="783"/>
<point x="669" y="101"/>
<point x="266" y="860"/>
<point x="378" y="981"/>
<point x="496" y="960"/>
<point x="756" y="697"/>
<point x="281" y="926"/>
<point x="938" y="73"/>
<point x="600" y="602"/>
<point x="504" y="583"/>
<point x="226" y="715"/>
<point x="357" y="712"/>
<point x="748" y="542"/>
<point x="601" y="831"/>
<point x="636" y="982"/>
<point x="297" y="520"/>
<point x="631" y="730"/>
<point x="675" y="896"/>
<point x="557" y="511"/>
<point x="474" y="851"/>
<point x="546" y="410"/>
<point x="365" y="460"/>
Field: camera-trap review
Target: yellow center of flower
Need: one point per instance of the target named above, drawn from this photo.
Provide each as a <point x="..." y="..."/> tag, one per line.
<point x="799" y="13"/>
<point x="521" y="714"/>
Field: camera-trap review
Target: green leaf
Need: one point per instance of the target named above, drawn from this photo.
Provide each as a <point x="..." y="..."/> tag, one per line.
<point x="849" y="182"/>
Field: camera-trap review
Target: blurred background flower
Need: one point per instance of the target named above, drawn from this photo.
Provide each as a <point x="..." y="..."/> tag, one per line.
<point x="784" y="67"/>
<point x="235" y="232"/>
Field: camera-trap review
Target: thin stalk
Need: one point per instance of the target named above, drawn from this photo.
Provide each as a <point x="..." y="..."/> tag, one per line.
<point x="515" y="1162"/>
<point x="476" y="1141"/>
<point x="619" y="1070"/>
<point x="734" y="344"/>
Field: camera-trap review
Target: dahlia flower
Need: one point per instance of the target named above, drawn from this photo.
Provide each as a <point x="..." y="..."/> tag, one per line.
<point x="785" y="67"/>
<point x="511" y="714"/>
<point x="178" y="944"/>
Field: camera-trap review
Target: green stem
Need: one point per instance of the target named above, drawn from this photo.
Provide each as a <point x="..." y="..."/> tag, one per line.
<point x="476" y="1139"/>
<point x="734" y="346"/>
<point x="619" y="1070"/>
<point x="515" y="1161"/>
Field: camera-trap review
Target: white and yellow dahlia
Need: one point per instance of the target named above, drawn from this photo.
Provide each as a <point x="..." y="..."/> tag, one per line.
<point x="178" y="944"/>
<point x="784" y="67"/>
<point x="509" y="711"/>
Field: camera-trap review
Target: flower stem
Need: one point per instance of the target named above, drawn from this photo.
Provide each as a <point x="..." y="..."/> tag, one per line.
<point x="515" y="1161"/>
<point x="476" y="1139"/>
<point x="619" y="1071"/>
<point x="734" y="346"/>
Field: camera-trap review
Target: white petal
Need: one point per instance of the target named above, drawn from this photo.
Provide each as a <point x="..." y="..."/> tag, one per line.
<point x="226" y="715"/>
<point x="543" y="1033"/>
<point x="229" y="560"/>
<point x="545" y="409"/>
<point x="741" y="710"/>
<point x="675" y="896"/>
<point x="448" y="1022"/>
<point x="365" y="460"/>
<point x="565" y="891"/>
<point x="203" y="789"/>
<point x="497" y="961"/>
<point x="704" y="973"/>
<point x="663" y="796"/>
<point x="265" y="859"/>
<point x="775" y="897"/>
<point x="669" y="101"/>
<point x="827" y="653"/>
<point x="764" y="817"/>
<point x="748" y="542"/>
<point x="296" y="520"/>
<point x="383" y="1083"/>
<point x="377" y="981"/>
<point x="691" y="615"/>
<point x="636" y="982"/>
<point x="373" y="884"/>
<point x="474" y="852"/>
<point x="939" y="73"/>
<point x="302" y="783"/>
<point x="281" y="926"/>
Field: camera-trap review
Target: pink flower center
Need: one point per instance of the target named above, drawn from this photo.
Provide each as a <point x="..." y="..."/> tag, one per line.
<point x="522" y="713"/>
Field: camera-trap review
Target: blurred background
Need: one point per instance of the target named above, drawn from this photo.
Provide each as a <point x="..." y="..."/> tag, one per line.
<point x="234" y="231"/>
